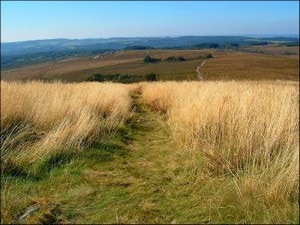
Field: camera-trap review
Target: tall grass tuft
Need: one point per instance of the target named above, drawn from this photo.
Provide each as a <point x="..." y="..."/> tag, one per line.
<point x="247" y="132"/>
<point x="41" y="120"/>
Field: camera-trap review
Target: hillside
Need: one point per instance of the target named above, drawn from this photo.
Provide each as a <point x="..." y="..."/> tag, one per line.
<point x="150" y="112"/>
<point x="150" y="153"/>
<point x="229" y="64"/>
<point x="17" y="54"/>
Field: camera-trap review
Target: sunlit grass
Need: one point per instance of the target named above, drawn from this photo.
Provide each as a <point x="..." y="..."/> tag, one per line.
<point x="246" y="132"/>
<point x="41" y="120"/>
<point x="163" y="152"/>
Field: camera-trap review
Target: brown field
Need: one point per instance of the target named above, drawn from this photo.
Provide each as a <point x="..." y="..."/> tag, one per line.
<point x="59" y="68"/>
<point x="165" y="70"/>
<point x="291" y="51"/>
<point x="79" y="69"/>
<point x="227" y="65"/>
<point x="247" y="66"/>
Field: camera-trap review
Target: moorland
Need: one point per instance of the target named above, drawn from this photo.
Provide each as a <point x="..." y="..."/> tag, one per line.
<point x="141" y="131"/>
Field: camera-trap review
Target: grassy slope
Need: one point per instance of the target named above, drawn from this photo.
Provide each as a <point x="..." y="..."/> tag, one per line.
<point x="227" y="65"/>
<point x="79" y="69"/>
<point x="117" y="181"/>
<point x="135" y="177"/>
<point x="165" y="70"/>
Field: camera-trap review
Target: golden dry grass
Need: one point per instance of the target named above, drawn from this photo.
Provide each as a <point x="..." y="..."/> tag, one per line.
<point x="247" y="132"/>
<point x="225" y="151"/>
<point x="41" y="119"/>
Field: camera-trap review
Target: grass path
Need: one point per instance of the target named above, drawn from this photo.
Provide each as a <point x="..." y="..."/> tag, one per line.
<point x="133" y="177"/>
<point x="199" y="74"/>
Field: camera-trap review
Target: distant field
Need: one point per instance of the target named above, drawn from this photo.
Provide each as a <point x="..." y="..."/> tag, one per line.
<point x="227" y="66"/>
<point x="274" y="50"/>
<point x="165" y="70"/>
<point x="78" y="69"/>
<point x="69" y="66"/>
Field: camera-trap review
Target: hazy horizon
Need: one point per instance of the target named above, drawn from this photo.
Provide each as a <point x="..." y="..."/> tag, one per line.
<point x="23" y="21"/>
<point x="170" y="36"/>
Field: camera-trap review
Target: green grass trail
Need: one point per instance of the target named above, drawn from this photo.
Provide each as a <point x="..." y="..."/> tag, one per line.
<point x="136" y="176"/>
<point x="130" y="178"/>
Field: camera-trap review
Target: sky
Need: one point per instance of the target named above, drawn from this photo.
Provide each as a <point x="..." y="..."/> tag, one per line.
<point x="32" y="20"/>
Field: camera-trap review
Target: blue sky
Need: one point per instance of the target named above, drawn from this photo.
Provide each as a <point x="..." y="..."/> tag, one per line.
<point x="45" y="20"/>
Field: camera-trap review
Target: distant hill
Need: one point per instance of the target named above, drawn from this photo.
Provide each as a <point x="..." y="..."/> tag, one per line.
<point x="15" y="54"/>
<point x="40" y="46"/>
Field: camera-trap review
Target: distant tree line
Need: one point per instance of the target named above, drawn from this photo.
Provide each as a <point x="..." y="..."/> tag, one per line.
<point x="123" y="78"/>
<point x="289" y="44"/>
<point x="14" y="61"/>
<point x="206" y="45"/>
<point x="175" y="59"/>
<point x="234" y="45"/>
<point x="151" y="77"/>
<point x="149" y="59"/>
<point x="259" y="43"/>
<point x="138" y="47"/>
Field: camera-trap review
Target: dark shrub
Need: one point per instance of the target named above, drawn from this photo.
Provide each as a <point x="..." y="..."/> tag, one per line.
<point x="181" y="58"/>
<point x="151" y="77"/>
<point x="171" y="58"/>
<point x="149" y="59"/>
<point x="125" y="78"/>
<point x="208" y="56"/>
<point x="174" y="59"/>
